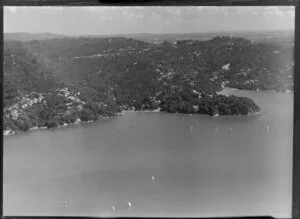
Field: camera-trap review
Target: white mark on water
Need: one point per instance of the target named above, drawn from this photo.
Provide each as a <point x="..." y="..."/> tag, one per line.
<point x="192" y="128"/>
<point x="153" y="178"/>
<point x="129" y="205"/>
<point x="65" y="204"/>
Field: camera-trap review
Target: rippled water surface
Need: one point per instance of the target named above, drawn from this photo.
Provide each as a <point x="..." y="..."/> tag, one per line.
<point x="163" y="164"/>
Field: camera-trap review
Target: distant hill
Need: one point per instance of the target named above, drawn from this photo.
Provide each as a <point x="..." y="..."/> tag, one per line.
<point x="31" y="36"/>
<point x="258" y="36"/>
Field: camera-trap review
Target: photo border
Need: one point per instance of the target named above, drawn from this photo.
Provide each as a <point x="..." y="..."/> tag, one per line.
<point x="296" y="138"/>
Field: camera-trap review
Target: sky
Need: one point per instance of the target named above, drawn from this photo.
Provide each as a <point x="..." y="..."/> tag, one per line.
<point x="156" y="20"/>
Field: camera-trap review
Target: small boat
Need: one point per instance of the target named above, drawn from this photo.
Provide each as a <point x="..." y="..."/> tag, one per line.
<point x="268" y="127"/>
<point x="192" y="128"/>
<point x="65" y="204"/>
<point x="113" y="208"/>
<point x="153" y="178"/>
<point x="196" y="120"/>
<point x="129" y="205"/>
<point x="216" y="129"/>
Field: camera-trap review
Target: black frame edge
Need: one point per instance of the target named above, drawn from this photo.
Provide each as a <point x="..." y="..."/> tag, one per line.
<point x="296" y="140"/>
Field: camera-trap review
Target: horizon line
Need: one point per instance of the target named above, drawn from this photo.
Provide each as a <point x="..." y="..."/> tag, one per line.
<point x="146" y="33"/>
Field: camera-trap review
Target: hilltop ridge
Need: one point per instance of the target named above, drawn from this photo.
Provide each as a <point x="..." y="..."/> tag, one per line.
<point x="280" y="35"/>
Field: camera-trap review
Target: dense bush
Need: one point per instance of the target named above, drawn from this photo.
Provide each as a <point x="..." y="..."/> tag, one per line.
<point x="111" y="74"/>
<point x="217" y="104"/>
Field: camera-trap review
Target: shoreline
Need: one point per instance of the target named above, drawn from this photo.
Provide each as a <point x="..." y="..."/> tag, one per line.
<point x="78" y="121"/>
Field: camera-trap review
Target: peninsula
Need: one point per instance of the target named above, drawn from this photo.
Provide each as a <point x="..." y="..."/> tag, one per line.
<point x="54" y="82"/>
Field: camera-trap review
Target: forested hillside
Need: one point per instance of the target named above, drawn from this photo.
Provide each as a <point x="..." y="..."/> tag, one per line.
<point x="58" y="81"/>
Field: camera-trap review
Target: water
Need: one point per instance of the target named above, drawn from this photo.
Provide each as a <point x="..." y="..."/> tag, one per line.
<point x="158" y="164"/>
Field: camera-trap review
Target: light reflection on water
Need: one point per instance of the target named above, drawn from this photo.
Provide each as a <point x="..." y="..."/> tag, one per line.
<point x="87" y="169"/>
